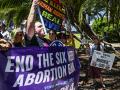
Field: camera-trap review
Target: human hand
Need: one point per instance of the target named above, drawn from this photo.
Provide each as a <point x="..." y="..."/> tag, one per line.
<point x="35" y="2"/>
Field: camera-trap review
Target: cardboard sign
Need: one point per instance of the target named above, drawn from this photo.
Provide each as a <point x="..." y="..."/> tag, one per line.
<point x="102" y="60"/>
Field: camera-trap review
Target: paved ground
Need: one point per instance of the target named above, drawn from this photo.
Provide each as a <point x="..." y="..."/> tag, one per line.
<point x="115" y="44"/>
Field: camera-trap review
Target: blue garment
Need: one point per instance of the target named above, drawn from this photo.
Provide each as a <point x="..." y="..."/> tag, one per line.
<point x="57" y="43"/>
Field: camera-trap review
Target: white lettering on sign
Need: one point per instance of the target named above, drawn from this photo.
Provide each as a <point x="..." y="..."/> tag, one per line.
<point x="22" y="63"/>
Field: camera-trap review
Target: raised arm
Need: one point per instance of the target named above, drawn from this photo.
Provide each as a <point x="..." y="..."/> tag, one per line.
<point x="31" y="20"/>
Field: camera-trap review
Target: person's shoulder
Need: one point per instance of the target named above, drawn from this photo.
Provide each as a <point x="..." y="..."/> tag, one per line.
<point x="28" y="38"/>
<point x="102" y="45"/>
<point x="7" y="32"/>
<point x="46" y="40"/>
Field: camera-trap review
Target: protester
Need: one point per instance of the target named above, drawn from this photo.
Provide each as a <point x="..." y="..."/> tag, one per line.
<point x="87" y="49"/>
<point x="52" y="35"/>
<point x="95" y="72"/>
<point x="70" y="40"/>
<point x="35" y="32"/>
<point x="4" y="32"/>
<point x="62" y="37"/>
<point x="83" y="41"/>
<point x="4" y="45"/>
<point x="11" y="26"/>
<point x="18" y="38"/>
<point x="55" y="39"/>
<point x="87" y="64"/>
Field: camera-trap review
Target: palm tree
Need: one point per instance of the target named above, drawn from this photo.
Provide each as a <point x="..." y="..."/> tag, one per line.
<point x="76" y="11"/>
<point x="16" y="10"/>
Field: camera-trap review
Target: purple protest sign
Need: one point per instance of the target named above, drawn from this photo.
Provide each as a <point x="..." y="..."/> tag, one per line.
<point x="53" y="68"/>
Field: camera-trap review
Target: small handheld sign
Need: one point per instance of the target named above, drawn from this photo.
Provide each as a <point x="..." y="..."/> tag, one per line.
<point x="102" y="60"/>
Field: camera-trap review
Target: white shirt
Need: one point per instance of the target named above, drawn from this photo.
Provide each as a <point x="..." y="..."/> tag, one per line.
<point x="6" y="35"/>
<point x="94" y="47"/>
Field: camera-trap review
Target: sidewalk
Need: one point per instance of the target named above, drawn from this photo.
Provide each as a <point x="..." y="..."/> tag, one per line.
<point x="116" y="45"/>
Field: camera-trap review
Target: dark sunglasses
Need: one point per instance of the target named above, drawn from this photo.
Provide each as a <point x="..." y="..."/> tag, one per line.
<point x="40" y="26"/>
<point x="51" y="33"/>
<point x="19" y="34"/>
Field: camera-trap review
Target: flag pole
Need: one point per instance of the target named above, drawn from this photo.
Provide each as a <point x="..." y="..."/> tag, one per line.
<point x="41" y="18"/>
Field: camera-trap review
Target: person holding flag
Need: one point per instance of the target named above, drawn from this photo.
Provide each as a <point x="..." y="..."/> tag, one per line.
<point x="35" y="32"/>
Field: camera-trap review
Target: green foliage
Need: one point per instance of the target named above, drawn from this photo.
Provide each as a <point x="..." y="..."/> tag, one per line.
<point x="76" y="12"/>
<point x="14" y="9"/>
<point x="101" y="26"/>
<point x="21" y="14"/>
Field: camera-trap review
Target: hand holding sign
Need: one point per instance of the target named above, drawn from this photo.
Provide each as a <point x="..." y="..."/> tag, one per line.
<point x="102" y="60"/>
<point x="35" y="1"/>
